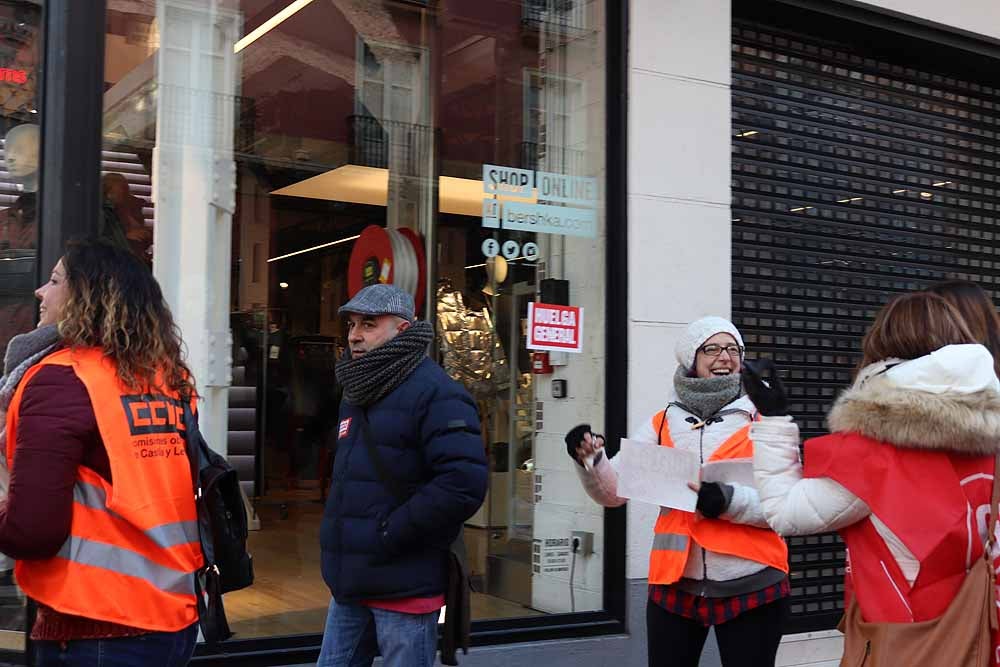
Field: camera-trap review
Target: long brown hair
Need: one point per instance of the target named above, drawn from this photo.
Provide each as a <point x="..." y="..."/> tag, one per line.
<point x="115" y="304"/>
<point x="913" y="325"/>
<point x="977" y="310"/>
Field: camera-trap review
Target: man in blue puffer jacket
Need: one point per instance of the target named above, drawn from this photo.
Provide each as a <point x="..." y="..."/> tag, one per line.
<point x="385" y="558"/>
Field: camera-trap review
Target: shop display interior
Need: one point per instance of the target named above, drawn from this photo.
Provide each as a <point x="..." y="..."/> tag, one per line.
<point x="284" y="399"/>
<point x="360" y="159"/>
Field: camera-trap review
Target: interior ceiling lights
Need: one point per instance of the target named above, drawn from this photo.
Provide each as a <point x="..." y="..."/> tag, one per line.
<point x="370" y="185"/>
<point x="315" y="247"/>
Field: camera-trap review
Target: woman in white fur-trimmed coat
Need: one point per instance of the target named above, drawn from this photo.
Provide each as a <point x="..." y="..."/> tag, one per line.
<point x="721" y="566"/>
<point x="906" y="474"/>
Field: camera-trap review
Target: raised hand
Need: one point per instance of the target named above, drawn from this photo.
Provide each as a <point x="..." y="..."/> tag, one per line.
<point x="581" y="444"/>
<point x="764" y="387"/>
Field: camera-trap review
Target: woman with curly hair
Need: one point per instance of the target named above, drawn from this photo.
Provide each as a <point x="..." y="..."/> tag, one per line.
<point x="100" y="513"/>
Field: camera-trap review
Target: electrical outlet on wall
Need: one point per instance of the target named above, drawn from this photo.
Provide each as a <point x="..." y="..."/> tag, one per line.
<point x="582" y="542"/>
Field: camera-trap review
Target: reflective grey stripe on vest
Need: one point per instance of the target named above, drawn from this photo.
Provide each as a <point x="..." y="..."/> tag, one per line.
<point x="173" y="534"/>
<point x="91" y="496"/>
<point x="670" y="542"/>
<point x="123" y="561"/>
<point x="165" y="535"/>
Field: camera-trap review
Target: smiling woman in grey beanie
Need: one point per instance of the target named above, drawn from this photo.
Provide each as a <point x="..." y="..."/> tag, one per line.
<point x="721" y="565"/>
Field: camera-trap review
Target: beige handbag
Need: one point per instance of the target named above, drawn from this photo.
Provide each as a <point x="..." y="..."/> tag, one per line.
<point x="961" y="637"/>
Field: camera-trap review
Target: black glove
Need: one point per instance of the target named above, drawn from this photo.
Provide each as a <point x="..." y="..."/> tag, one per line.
<point x="764" y="387"/>
<point x="575" y="438"/>
<point x="714" y="499"/>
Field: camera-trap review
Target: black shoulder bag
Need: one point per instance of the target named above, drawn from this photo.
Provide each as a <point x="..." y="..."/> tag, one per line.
<point x="222" y="530"/>
<point x="457" y="621"/>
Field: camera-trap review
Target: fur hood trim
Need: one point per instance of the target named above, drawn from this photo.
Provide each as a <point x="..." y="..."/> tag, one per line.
<point x="958" y="419"/>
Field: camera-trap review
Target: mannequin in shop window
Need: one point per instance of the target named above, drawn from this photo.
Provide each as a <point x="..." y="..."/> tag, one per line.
<point x="112" y="226"/>
<point x="21" y="158"/>
<point x="123" y="219"/>
<point x="21" y="163"/>
<point x="313" y="402"/>
<point x="18" y="232"/>
<point x="276" y="389"/>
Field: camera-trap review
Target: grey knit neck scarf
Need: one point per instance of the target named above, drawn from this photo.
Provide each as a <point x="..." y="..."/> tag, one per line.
<point x="706" y="396"/>
<point x="23" y="352"/>
<point x="378" y="372"/>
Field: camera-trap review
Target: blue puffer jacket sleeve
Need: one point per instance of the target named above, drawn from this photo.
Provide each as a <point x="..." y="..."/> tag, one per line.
<point x="455" y="465"/>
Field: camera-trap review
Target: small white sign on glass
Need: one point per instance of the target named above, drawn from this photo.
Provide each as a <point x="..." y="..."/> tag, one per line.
<point x="658" y="475"/>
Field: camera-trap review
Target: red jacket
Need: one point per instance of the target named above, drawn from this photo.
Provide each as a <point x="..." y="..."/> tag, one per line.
<point x="935" y="502"/>
<point x="906" y="477"/>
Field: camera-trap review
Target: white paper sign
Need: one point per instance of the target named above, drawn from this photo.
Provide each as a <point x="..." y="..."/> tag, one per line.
<point x="658" y="475"/>
<point x="739" y="471"/>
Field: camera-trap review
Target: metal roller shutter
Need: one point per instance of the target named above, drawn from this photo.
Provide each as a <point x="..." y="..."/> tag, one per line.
<point x="854" y="178"/>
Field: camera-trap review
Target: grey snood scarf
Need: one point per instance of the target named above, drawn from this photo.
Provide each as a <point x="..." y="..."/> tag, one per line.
<point x="706" y="396"/>
<point x="378" y="372"/>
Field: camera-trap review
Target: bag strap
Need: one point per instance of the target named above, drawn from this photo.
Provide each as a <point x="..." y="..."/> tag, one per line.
<point x="211" y="613"/>
<point x="988" y="548"/>
<point x="190" y="428"/>
<point x="994" y="501"/>
<point x="391" y="483"/>
<point x="194" y="447"/>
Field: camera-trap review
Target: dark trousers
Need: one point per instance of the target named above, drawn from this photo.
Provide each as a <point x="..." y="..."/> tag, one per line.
<point x="155" y="649"/>
<point x="749" y="640"/>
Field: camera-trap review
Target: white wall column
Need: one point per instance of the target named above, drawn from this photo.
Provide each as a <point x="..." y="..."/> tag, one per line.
<point x="679" y="192"/>
<point x="194" y="186"/>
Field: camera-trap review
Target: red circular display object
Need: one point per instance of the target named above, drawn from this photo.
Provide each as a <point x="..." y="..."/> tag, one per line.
<point x="418" y="247"/>
<point x="371" y="260"/>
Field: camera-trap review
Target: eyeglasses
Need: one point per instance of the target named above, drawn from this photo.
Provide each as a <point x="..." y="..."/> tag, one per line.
<point x="713" y="350"/>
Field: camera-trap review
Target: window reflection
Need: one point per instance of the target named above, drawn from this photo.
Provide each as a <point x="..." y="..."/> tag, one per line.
<point x="310" y="150"/>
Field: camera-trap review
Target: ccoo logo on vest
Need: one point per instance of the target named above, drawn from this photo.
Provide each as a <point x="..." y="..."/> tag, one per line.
<point x="149" y="413"/>
<point x="156" y="424"/>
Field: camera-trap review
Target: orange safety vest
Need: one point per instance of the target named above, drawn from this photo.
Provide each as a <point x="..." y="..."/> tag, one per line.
<point x="675" y="529"/>
<point x="133" y="546"/>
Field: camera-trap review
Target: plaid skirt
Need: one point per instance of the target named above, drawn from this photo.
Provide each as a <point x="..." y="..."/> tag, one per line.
<point x="714" y="611"/>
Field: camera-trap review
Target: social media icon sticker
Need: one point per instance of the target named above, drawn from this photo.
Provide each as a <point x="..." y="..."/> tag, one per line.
<point x="491" y="248"/>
